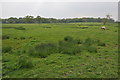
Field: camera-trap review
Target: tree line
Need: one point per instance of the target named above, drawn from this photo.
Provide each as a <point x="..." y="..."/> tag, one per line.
<point x="39" y="19"/>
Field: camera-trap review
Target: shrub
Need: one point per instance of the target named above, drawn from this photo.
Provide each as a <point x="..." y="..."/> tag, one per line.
<point x="101" y="44"/>
<point x="68" y="38"/>
<point x="6" y="49"/>
<point x="20" y="28"/>
<point x="5" y="37"/>
<point x="25" y="62"/>
<point x="43" y="50"/>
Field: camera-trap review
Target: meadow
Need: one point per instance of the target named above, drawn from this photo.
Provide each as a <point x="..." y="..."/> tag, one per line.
<point x="60" y="50"/>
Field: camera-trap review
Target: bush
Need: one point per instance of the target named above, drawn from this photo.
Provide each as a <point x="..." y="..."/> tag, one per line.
<point x="5" y="37"/>
<point x="101" y="44"/>
<point x="25" y="62"/>
<point x="68" y="38"/>
<point x="20" y="28"/>
<point x="6" y="49"/>
<point x="43" y="50"/>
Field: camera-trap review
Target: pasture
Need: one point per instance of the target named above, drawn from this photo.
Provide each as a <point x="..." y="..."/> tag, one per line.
<point x="60" y="50"/>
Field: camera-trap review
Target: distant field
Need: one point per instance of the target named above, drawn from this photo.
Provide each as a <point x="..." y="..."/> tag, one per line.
<point x="100" y="60"/>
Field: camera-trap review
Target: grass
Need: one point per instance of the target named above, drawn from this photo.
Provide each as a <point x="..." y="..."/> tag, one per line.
<point x="43" y="50"/>
<point x="6" y="49"/>
<point x="96" y="51"/>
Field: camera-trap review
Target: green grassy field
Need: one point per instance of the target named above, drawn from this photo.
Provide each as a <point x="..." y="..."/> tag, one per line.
<point x="17" y="42"/>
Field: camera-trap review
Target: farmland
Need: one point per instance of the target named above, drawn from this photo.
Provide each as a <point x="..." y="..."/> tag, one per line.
<point x="60" y="50"/>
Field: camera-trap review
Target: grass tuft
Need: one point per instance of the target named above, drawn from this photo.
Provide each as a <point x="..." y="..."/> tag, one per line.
<point x="25" y="62"/>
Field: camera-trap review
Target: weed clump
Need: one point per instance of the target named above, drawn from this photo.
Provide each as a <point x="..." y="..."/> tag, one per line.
<point x="6" y="49"/>
<point x="5" y="37"/>
<point x="72" y="46"/>
<point x="78" y="41"/>
<point x="25" y="62"/>
<point x="92" y="49"/>
<point x="15" y="37"/>
<point x="68" y="38"/>
<point x="69" y="46"/>
<point x="22" y="38"/>
<point x="43" y="50"/>
<point x="88" y="41"/>
<point x="46" y="27"/>
<point x="20" y="28"/>
<point x="101" y="44"/>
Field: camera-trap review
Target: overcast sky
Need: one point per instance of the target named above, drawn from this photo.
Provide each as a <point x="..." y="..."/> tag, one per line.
<point x="59" y="9"/>
<point x="59" y="0"/>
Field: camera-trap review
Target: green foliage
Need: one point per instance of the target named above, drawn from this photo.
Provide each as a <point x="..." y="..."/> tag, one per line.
<point x="5" y="37"/>
<point x="43" y="50"/>
<point x="6" y="49"/>
<point x="25" y="62"/>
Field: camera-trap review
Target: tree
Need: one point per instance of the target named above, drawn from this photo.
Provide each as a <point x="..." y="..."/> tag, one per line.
<point x="108" y="17"/>
<point x="29" y="19"/>
<point x="38" y="19"/>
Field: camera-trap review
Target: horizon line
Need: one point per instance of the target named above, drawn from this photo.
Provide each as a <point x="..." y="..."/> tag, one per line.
<point x="54" y="17"/>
